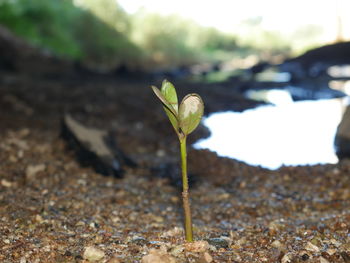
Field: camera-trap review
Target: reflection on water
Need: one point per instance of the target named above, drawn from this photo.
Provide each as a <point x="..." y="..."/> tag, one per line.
<point x="295" y="133"/>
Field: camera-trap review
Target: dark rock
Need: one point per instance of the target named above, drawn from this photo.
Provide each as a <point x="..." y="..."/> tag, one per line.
<point x="315" y="62"/>
<point x="94" y="147"/>
<point x="342" y="137"/>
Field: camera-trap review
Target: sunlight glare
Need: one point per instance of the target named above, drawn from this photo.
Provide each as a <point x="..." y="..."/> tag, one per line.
<point x="227" y="15"/>
<point x="299" y="133"/>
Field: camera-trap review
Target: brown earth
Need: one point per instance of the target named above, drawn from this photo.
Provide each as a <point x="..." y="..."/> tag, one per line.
<point x="54" y="210"/>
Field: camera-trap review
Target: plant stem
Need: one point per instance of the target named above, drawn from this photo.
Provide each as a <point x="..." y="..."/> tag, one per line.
<point x="185" y="194"/>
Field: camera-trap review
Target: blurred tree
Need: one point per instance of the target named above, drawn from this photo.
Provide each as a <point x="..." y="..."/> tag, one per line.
<point x="164" y="39"/>
<point x="45" y="23"/>
<point x="103" y="45"/>
<point x="108" y="11"/>
<point x="212" y="39"/>
<point x="69" y="31"/>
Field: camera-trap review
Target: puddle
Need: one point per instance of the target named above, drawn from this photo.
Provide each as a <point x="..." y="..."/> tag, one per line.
<point x="289" y="133"/>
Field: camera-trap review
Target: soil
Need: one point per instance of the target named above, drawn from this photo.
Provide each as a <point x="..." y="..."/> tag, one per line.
<point x="52" y="209"/>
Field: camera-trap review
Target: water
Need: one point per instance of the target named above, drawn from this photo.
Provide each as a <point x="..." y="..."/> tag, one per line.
<point x="289" y="133"/>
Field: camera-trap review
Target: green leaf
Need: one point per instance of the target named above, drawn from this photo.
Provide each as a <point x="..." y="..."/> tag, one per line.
<point x="173" y="119"/>
<point x="165" y="102"/>
<point x="169" y="92"/>
<point x="190" y="113"/>
<point x="168" y="108"/>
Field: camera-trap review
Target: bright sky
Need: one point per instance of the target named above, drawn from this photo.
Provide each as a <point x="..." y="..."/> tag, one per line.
<point x="225" y="15"/>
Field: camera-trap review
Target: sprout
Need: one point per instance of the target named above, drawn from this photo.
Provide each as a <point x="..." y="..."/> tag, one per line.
<point x="184" y="119"/>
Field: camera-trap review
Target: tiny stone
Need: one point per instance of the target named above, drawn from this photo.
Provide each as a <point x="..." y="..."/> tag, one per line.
<point x="174" y="199"/>
<point x="39" y="219"/>
<point x="13" y="159"/>
<point x="139" y="241"/>
<point x="311" y="247"/>
<point x="236" y="257"/>
<point x="158" y="256"/>
<point x="116" y="219"/>
<point x="80" y="223"/>
<point x="20" y="154"/>
<point x="241" y="241"/>
<point x="197" y="246"/>
<point x="220" y="242"/>
<point x="160" y="153"/>
<point x="158" y="219"/>
<point x="93" y="254"/>
<point x="6" y="183"/>
<point x="176" y="251"/>
<point x="305" y="257"/>
<point x="205" y="258"/>
<point x="113" y="260"/>
<point x="277" y="244"/>
<point x="323" y="260"/>
<point x="286" y="258"/>
<point x="32" y="170"/>
<point x="176" y="231"/>
<point x="335" y="242"/>
<point x="331" y="251"/>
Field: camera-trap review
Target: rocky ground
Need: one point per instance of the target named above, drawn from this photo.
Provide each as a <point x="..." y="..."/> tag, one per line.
<point x="53" y="209"/>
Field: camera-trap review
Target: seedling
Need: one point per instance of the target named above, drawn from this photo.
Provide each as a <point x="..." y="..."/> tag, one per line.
<point x="185" y="119"/>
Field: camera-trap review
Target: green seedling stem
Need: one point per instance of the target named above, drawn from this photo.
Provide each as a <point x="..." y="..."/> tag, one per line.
<point x="184" y="119"/>
<point x="185" y="193"/>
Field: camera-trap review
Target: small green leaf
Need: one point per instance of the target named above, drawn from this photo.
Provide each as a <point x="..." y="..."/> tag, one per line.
<point x="165" y="102"/>
<point x="169" y="92"/>
<point x="190" y="113"/>
<point x="172" y="118"/>
<point x="168" y="108"/>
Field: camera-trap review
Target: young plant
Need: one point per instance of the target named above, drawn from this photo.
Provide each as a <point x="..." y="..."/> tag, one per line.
<point x="185" y="119"/>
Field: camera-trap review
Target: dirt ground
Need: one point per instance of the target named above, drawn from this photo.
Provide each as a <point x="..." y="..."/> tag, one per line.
<point x="52" y="209"/>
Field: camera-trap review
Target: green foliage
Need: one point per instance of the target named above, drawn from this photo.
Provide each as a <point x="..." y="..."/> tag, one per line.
<point x="184" y="118"/>
<point x="68" y="30"/>
<point x="109" y="12"/>
<point x="211" y="39"/>
<point x="44" y="23"/>
<point x="101" y="44"/>
<point x="164" y="39"/>
<point x="190" y="113"/>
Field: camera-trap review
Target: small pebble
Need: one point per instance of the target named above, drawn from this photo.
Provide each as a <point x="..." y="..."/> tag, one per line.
<point x="6" y="183"/>
<point x="176" y="231"/>
<point x="286" y="258"/>
<point x="220" y="242"/>
<point x="197" y="246"/>
<point x="93" y="254"/>
<point x="114" y="259"/>
<point x="277" y="244"/>
<point x="32" y="170"/>
<point x="176" y="251"/>
<point x="311" y="247"/>
<point x="323" y="260"/>
<point x="205" y="258"/>
<point x="158" y="256"/>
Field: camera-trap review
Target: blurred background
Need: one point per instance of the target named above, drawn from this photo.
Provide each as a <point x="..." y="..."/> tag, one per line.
<point x="156" y="34"/>
<point x="288" y="54"/>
